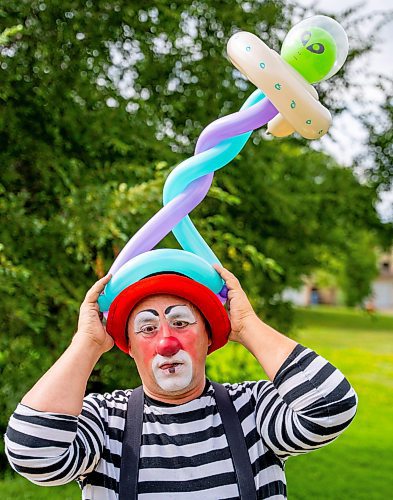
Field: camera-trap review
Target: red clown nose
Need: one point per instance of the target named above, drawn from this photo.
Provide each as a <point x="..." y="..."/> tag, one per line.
<point x="168" y="346"/>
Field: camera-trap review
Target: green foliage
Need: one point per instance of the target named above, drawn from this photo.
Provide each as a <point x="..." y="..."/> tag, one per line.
<point x="9" y="33"/>
<point x="359" y="268"/>
<point x="98" y="101"/>
<point x="377" y="162"/>
<point x="352" y="270"/>
<point x="233" y="364"/>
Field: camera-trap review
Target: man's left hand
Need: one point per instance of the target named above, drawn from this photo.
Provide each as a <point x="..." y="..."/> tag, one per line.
<point x="239" y="308"/>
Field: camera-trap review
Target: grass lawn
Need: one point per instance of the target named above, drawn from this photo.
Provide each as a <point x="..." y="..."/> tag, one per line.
<point x="359" y="465"/>
<point x="18" y="488"/>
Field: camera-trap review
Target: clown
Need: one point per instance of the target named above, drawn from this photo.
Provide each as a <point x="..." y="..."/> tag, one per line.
<point x="179" y="435"/>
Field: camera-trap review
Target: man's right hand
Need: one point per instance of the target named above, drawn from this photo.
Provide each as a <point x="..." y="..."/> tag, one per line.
<point x="90" y="327"/>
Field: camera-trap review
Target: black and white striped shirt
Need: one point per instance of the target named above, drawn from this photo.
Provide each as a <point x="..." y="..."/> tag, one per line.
<point x="184" y="451"/>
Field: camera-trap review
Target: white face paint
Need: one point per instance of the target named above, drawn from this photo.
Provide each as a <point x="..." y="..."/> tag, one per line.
<point x="174" y="373"/>
<point x="147" y="322"/>
<point x="178" y="316"/>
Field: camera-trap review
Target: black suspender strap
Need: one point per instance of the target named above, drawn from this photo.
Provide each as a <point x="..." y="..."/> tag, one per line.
<point x="237" y="443"/>
<point x="132" y="442"/>
<point x="132" y="437"/>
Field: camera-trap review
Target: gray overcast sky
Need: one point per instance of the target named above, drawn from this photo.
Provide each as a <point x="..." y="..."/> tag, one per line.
<point x="349" y="145"/>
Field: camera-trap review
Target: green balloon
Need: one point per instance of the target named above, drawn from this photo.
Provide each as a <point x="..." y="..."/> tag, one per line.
<point x="311" y="51"/>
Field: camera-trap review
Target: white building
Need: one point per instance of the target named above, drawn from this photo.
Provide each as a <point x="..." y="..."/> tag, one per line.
<point x="382" y="294"/>
<point x="381" y="298"/>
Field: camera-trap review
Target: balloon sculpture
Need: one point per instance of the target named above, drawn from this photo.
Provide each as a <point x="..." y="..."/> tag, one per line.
<point x="314" y="50"/>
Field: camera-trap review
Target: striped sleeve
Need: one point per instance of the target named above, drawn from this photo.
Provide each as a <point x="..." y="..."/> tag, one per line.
<point x="51" y="449"/>
<point x="308" y="405"/>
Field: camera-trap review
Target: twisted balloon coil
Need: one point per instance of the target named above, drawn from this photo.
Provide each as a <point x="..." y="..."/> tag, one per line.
<point x="185" y="188"/>
<point x="292" y="104"/>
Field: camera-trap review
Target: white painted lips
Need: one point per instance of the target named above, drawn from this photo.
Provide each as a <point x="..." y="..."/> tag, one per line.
<point x="163" y="362"/>
<point x="173" y="373"/>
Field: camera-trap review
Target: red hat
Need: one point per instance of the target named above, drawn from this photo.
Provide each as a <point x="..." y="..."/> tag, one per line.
<point x="173" y="284"/>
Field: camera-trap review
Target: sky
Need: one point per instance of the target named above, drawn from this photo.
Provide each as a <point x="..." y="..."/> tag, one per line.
<point x="346" y="146"/>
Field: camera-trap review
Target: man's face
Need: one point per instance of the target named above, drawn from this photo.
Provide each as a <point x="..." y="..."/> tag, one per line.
<point x="169" y="342"/>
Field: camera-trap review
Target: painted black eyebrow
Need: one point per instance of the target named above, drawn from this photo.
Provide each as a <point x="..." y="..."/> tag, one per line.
<point x="153" y="311"/>
<point x="169" y="308"/>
